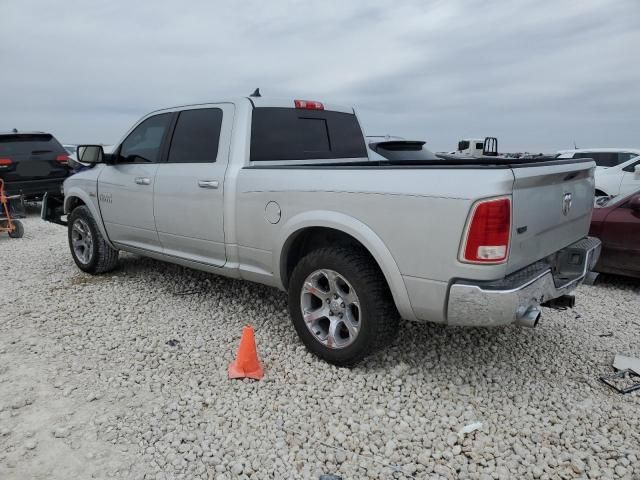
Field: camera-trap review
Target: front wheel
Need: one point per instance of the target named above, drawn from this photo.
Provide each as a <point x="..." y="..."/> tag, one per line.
<point x="89" y="249"/>
<point x="341" y="305"/>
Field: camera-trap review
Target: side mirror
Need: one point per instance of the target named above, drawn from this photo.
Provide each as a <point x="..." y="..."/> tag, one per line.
<point x="634" y="203"/>
<point x="90" y="154"/>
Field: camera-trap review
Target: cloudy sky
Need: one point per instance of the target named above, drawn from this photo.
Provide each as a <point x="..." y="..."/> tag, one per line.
<point x="536" y="74"/>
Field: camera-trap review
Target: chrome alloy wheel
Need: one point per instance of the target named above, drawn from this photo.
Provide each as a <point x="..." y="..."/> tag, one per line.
<point x="82" y="241"/>
<point x="330" y="308"/>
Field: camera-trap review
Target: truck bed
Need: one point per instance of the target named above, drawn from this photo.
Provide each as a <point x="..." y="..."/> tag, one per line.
<point x="452" y="163"/>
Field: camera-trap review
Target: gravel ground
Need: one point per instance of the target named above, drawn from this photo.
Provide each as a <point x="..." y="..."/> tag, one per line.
<point x="125" y="376"/>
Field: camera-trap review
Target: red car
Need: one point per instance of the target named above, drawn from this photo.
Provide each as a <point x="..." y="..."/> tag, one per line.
<point x="617" y="225"/>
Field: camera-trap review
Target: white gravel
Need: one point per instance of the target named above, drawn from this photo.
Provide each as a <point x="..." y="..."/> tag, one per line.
<point x="90" y="386"/>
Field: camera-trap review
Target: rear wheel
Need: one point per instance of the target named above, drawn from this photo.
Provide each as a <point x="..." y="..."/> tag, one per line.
<point x="18" y="229"/>
<point x="341" y="306"/>
<point x="89" y="249"/>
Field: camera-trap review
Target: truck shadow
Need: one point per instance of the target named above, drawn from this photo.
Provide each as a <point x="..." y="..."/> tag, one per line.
<point x="617" y="281"/>
<point x="549" y="353"/>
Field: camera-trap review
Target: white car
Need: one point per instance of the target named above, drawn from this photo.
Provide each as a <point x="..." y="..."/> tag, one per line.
<point x="617" y="169"/>
<point x="390" y="148"/>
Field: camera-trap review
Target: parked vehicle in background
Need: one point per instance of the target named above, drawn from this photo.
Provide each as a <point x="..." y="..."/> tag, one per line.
<point x="616" y="222"/>
<point x="397" y="148"/>
<point x="618" y="169"/>
<point x="282" y="192"/>
<point x="71" y="149"/>
<point x="32" y="164"/>
<point x="476" y="147"/>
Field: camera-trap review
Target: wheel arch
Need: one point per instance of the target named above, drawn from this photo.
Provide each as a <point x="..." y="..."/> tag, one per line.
<point x="334" y="226"/>
<point x="76" y="197"/>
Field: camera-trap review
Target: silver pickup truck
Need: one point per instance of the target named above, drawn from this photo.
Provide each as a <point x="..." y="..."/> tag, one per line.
<point x="284" y="193"/>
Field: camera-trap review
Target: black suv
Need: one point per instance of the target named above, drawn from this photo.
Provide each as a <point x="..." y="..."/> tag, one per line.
<point x="32" y="163"/>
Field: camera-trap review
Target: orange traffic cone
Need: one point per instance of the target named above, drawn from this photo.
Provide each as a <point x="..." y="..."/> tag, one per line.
<point x="247" y="363"/>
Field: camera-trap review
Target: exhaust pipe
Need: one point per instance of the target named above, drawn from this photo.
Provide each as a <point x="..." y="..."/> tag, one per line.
<point x="529" y="318"/>
<point x="561" y="303"/>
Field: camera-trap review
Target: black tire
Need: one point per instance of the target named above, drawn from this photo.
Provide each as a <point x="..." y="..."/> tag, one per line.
<point x="18" y="231"/>
<point x="101" y="257"/>
<point x="378" y="316"/>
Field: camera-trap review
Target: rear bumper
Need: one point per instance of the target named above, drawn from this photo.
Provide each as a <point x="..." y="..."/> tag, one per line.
<point x="505" y="301"/>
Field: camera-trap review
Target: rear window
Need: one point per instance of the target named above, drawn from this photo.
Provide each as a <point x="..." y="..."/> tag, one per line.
<point x="297" y="134"/>
<point x="29" y="144"/>
<point x="403" y="150"/>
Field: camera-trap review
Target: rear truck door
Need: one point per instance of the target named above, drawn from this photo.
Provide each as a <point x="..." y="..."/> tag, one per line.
<point x="189" y="191"/>
<point x="32" y="159"/>
<point x="125" y="189"/>
<point x="621" y="239"/>
<point x="551" y="208"/>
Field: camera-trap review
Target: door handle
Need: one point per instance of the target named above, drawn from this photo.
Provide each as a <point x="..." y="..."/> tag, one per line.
<point x="143" y="181"/>
<point x="208" y="183"/>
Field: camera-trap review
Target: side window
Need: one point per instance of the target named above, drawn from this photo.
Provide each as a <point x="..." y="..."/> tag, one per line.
<point x="144" y="143"/>
<point x="479" y="145"/>
<point x="607" y="159"/>
<point x="602" y="159"/>
<point x="196" y="136"/>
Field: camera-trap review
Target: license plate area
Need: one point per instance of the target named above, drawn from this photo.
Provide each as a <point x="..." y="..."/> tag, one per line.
<point x="569" y="265"/>
<point x="574" y="261"/>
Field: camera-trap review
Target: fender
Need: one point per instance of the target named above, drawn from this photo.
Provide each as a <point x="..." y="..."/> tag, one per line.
<point x="92" y="204"/>
<point x="359" y="231"/>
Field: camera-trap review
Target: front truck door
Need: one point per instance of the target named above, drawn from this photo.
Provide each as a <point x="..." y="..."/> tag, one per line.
<point x="621" y="239"/>
<point x="188" y="199"/>
<point x="125" y="189"/>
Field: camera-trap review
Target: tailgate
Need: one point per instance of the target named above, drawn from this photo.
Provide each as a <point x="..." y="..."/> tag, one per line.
<point x="552" y="204"/>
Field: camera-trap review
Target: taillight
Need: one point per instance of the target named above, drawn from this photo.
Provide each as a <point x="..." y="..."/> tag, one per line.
<point x="5" y="162"/>
<point x="309" y="105"/>
<point x="489" y="231"/>
<point x="63" y="159"/>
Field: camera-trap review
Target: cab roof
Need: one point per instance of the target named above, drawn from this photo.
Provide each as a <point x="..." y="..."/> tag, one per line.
<point x="260" y="102"/>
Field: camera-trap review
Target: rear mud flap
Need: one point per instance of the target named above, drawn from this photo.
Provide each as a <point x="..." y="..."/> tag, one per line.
<point x="53" y="209"/>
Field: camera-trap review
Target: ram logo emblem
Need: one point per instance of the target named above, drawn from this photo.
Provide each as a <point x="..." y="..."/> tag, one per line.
<point x="105" y="197"/>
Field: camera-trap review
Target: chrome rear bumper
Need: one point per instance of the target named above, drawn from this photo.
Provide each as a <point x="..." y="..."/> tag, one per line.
<point x="508" y="300"/>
